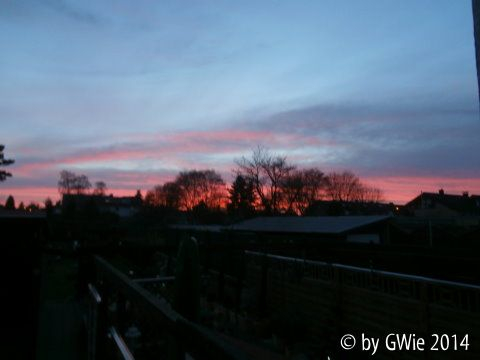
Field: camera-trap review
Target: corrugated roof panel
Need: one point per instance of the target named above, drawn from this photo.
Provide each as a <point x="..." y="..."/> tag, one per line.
<point x="309" y="224"/>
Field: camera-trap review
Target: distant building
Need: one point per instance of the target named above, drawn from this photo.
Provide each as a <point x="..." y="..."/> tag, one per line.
<point x="355" y="229"/>
<point x="441" y="205"/>
<point x="125" y="206"/>
<point x="338" y="208"/>
<point x="294" y="229"/>
<point x="122" y="206"/>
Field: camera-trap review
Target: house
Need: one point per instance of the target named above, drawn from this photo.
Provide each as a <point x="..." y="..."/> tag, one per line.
<point x="125" y="206"/>
<point x="337" y="208"/>
<point x="122" y="206"/>
<point x="441" y="205"/>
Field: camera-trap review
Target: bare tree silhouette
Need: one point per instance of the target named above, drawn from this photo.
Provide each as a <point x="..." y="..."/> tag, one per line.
<point x="301" y="189"/>
<point x="346" y="186"/>
<point x="100" y="188"/>
<point x="266" y="172"/>
<point x="71" y="183"/>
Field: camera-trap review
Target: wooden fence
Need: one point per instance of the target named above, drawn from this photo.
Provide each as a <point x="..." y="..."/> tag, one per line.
<point x="333" y="299"/>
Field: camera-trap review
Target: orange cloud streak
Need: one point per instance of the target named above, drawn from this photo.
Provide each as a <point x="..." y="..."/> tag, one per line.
<point x="170" y="145"/>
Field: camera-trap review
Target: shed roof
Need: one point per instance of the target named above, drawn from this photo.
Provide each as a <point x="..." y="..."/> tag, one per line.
<point x="307" y="224"/>
<point x="209" y="228"/>
<point x="16" y="214"/>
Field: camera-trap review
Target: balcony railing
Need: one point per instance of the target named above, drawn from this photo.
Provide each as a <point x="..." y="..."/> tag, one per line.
<point x="115" y="302"/>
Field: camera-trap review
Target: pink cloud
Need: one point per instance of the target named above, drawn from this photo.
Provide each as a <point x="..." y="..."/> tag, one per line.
<point x="198" y="149"/>
<point x="171" y="145"/>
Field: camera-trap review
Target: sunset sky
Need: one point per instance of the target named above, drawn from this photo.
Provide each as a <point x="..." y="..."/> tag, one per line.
<point x="131" y="92"/>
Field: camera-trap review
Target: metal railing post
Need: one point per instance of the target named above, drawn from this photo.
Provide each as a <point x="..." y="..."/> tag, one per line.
<point x="92" y="320"/>
<point x="102" y="326"/>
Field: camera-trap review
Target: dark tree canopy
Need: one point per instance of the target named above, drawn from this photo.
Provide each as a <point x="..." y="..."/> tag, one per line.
<point x="138" y="196"/>
<point x="71" y="183"/>
<point x="242" y="197"/>
<point x="196" y="186"/>
<point x="10" y="203"/>
<point x="32" y="207"/>
<point x="301" y="189"/>
<point x="100" y="188"/>
<point x="48" y="206"/>
<point x="346" y="186"/>
<point x="266" y="172"/>
<point x="4" y="162"/>
<point x="166" y="195"/>
<point x="190" y="189"/>
<point x="343" y="186"/>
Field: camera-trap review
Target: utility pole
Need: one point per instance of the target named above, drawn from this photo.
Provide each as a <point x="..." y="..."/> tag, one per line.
<point x="476" y="31"/>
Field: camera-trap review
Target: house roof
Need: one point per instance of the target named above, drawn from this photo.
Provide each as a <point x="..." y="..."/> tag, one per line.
<point x="15" y="214"/>
<point x="308" y="224"/>
<point x="102" y="200"/>
<point x="460" y="203"/>
<point x="209" y="228"/>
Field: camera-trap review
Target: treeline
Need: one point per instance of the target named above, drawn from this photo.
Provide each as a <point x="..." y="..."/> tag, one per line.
<point x="265" y="183"/>
<point x="31" y="207"/>
<point x="71" y="183"/>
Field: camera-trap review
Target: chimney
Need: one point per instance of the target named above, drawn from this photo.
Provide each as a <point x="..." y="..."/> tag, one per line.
<point x="441" y="192"/>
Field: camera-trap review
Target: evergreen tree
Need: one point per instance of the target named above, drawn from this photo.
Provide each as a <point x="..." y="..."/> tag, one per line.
<point x="49" y="206"/>
<point x="242" y="197"/>
<point x="138" y="197"/>
<point x="4" y="162"/>
<point x="10" y="203"/>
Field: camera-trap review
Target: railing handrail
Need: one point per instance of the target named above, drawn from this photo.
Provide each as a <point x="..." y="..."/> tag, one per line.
<point x="159" y="307"/>
<point x="94" y="293"/>
<point x="120" y="344"/>
<point x="418" y="278"/>
<point x="154" y="279"/>
<point x="198" y="340"/>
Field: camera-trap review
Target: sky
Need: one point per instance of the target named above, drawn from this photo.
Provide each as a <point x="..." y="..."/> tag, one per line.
<point x="132" y="92"/>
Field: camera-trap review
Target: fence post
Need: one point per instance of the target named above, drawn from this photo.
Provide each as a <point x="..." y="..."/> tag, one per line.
<point x="338" y="304"/>
<point x="102" y="325"/>
<point x="240" y="280"/>
<point x="263" y="285"/>
<point x="424" y="314"/>
<point x="121" y="314"/>
<point x="94" y="299"/>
